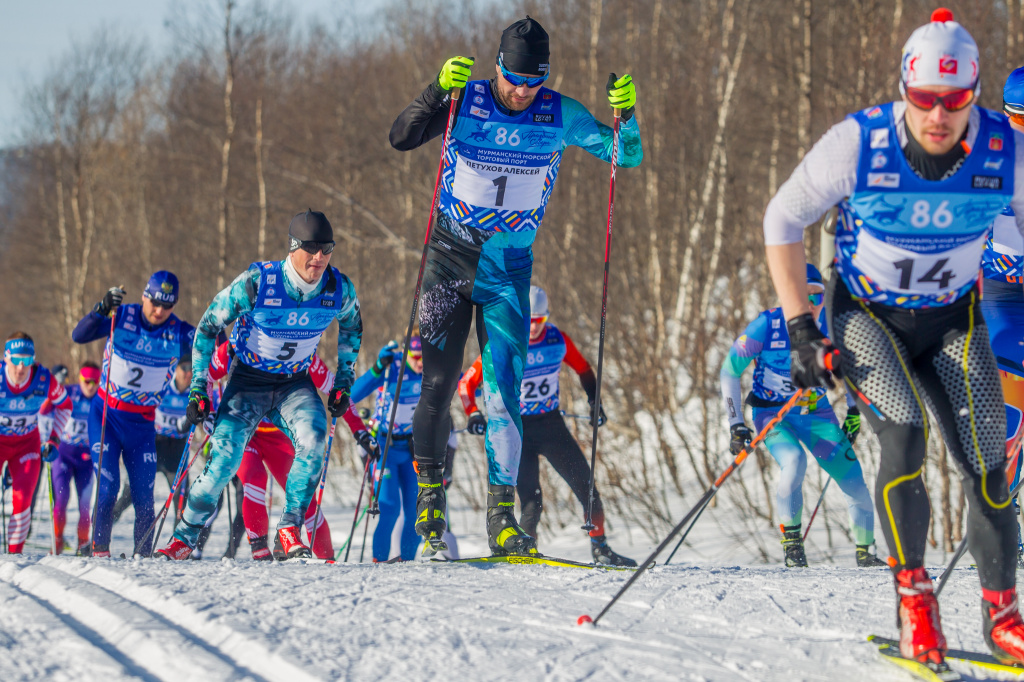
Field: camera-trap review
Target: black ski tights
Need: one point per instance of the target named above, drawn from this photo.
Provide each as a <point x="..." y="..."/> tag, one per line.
<point x="901" y="362"/>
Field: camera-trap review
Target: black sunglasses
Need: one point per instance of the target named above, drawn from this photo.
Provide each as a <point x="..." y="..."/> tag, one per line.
<point x="313" y="247"/>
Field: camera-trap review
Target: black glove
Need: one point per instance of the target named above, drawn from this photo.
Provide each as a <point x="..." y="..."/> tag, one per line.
<point x="741" y="437"/>
<point x="368" y="446"/>
<point x="198" y="407"/>
<point x="111" y="300"/>
<point x="49" y="452"/>
<point x="851" y="425"/>
<point x="338" y="402"/>
<point x="601" y="418"/>
<point x="813" y="360"/>
<point x="476" y="425"/>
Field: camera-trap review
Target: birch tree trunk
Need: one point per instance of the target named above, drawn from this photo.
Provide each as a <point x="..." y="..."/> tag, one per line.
<point x="224" y="208"/>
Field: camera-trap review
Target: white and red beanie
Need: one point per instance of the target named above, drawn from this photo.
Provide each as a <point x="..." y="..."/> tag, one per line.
<point x="941" y="52"/>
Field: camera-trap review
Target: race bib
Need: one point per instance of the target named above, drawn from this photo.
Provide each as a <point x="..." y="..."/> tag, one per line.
<point x="138" y="377"/>
<point x="284" y="350"/>
<point x="499" y="179"/>
<point x="541" y="387"/>
<point x="910" y="272"/>
<point x="778" y="383"/>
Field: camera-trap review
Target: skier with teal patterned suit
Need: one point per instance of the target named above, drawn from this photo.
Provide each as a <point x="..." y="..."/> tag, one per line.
<point x="281" y="309"/>
<point x="499" y="171"/>
<point x="765" y="341"/>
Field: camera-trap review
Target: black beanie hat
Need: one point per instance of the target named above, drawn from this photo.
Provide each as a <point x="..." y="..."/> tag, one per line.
<point x="524" y="48"/>
<point x="309" y="226"/>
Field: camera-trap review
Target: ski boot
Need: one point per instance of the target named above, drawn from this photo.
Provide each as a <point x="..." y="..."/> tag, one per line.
<point x="1002" y="625"/>
<point x="793" y="544"/>
<point x="259" y="549"/>
<point x="431" y="509"/>
<point x="176" y="550"/>
<point x="100" y="551"/>
<point x="288" y="545"/>
<point x="504" y="535"/>
<point x="865" y="559"/>
<point x="84" y="549"/>
<point x="603" y="554"/>
<point x="921" y="637"/>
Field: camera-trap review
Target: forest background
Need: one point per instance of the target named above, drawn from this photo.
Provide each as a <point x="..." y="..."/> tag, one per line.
<point x="194" y="160"/>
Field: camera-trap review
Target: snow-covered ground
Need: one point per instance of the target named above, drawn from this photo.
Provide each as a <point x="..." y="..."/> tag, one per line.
<point x="714" y="614"/>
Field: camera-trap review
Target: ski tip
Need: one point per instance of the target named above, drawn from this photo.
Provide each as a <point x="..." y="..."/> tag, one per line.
<point x="584" y="619"/>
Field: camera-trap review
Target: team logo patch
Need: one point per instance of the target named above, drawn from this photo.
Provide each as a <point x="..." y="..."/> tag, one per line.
<point x="273" y="301"/>
<point x="778" y="344"/>
<point x="880" y="138"/>
<point x="130" y="327"/>
<point x="268" y="266"/>
<point x="883" y="179"/>
<point x="776" y="324"/>
<point x="995" y="142"/>
<point x="271" y="279"/>
<point x="482" y="113"/>
<point x="478" y="100"/>
<point x="479" y="87"/>
<point x="546" y="95"/>
<point x="878" y="160"/>
<point x="324" y="303"/>
<point x="986" y="182"/>
<point x="992" y="163"/>
<point x="543" y="118"/>
<point x="270" y="291"/>
<point x="874" y="112"/>
<point x="947" y="65"/>
<point x="166" y="288"/>
<point x="546" y="106"/>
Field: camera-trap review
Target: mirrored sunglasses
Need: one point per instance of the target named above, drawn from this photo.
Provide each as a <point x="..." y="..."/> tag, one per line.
<point x="539" y="320"/>
<point x="816" y="298"/>
<point x="518" y="80"/>
<point x="313" y="247"/>
<point x="1015" y="112"/>
<point x="950" y="101"/>
<point x="23" y="360"/>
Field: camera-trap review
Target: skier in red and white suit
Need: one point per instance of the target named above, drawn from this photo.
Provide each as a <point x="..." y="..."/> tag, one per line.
<point x="24" y="387"/>
<point x="269" y="448"/>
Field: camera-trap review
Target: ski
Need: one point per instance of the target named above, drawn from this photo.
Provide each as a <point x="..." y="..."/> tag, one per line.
<point x="986" y="661"/>
<point x="538" y="559"/>
<point x="890" y="650"/>
<point x="433" y="544"/>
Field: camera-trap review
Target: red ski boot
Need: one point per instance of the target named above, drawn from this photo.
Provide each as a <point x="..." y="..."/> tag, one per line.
<point x="1002" y="624"/>
<point x="921" y="636"/>
<point x="288" y="545"/>
<point x="175" y="551"/>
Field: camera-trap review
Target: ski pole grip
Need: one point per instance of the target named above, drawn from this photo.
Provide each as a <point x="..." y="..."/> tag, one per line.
<point x="456" y="92"/>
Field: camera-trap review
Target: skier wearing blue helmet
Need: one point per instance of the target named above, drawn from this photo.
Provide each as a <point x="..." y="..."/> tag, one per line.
<point x="1002" y="305"/>
<point x="765" y="341"/>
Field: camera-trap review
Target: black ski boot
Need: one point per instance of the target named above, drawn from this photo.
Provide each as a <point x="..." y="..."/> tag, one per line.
<point x="504" y="535"/>
<point x="603" y="554"/>
<point x="259" y="549"/>
<point x="793" y="544"/>
<point x="431" y="509"/>
<point x="865" y="559"/>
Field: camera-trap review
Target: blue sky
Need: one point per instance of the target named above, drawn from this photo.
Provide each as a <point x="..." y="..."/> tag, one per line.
<point x="34" y="33"/>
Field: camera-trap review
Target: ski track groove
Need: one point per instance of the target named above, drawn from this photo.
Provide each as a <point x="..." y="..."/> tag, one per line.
<point x="85" y="650"/>
<point x="143" y="636"/>
<point x="229" y="645"/>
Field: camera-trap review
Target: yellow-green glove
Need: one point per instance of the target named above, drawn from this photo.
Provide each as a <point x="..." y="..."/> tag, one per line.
<point x="622" y="94"/>
<point x="455" y="73"/>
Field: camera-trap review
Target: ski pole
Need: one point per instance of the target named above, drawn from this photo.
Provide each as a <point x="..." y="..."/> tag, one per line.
<point x="453" y="107"/>
<point x="356" y="516"/>
<point x="345" y="545"/>
<point x="589" y="524"/>
<point x="736" y="463"/>
<point x="3" y="506"/>
<point x="815" y="512"/>
<point x="687" y="532"/>
<point x="109" y="354"/>
<point x="53" y="519"/>
<point x="574" y="416"/>
<point x="179" y="474"/>
<point x="961" y="550"/>
<point x="323" y="479"/>
<point x="362" y="550"/>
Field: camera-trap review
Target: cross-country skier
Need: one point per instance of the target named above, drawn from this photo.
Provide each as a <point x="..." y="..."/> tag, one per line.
<point x="544" y="429"/>
<point x="766" y="343"/>
<point x="24" y="388"/>
<point x="74" y="463"/>
<point x="148" y="342"/>
<point x="270" y="448"/>
<point x="499" y="171"/>
<point x="919" y="182"/>
<point x="398" y="479"/>
<point x="282" y="309"/>
<point x="1003" y="305"/>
